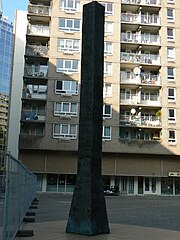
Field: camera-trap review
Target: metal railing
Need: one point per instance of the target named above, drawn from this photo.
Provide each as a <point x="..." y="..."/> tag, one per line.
<point x="19" y="191"/>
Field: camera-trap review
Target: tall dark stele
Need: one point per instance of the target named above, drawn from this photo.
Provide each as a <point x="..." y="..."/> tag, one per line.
<point x="88" y="214"/>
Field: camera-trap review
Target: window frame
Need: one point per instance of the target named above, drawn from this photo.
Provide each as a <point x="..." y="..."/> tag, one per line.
<point x="70" y="9"/>
<point x="105" y="4"/>
<point x="173" y="97"/>
<point x="62" y="135"/>
<point x="65" y="91"/>
<point x="108" y="65"/>
<point x="171" y="77"/>
<point x="62" y="112"/>
<point x="104" y="137"/>
<point x="106" y="48"/>
<point x="65" y="69"/>
<point x="66" y="48"/>
<point x="69" y="29"/>
<point x="172" y="119"/>
<point x="106" y="31"/>
<point x="106" y="93"/>
<point x="169" y="57"/>
<point x="172" y="141"/>
<point x="171" y="38"/>
<point x="107" y="115"/>
<point x="170" y="17"/>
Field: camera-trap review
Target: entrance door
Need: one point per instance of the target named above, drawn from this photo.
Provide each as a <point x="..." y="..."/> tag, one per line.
<point x="149" y="185"/>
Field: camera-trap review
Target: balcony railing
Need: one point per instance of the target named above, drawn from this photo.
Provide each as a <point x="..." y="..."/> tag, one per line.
<point x="27" y="95"/>
<point x="36" y="50"/>
<point x="36" y="71"/>
<point x="150" y="19"/>
<point x="136" y="99"/>
<point x="39" y="10"/>
<point x="140" y="121"/>
<point x="142" y="2"/>
<point x="140" y="58"/>
<point x="143" y="78"/>
<point x="29" y="115"/>
<point x="140" y="38"/>
<point x="39" y="30"/>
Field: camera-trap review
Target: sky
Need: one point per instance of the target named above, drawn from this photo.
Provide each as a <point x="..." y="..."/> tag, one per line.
<point x="10" y="6"/>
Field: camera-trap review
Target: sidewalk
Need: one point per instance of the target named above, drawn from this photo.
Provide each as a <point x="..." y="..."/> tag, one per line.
<point x="130" y="218"/>
<point x="56" y="231"/>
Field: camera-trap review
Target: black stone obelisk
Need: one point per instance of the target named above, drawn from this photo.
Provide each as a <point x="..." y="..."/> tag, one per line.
<point x="88" y="214"/>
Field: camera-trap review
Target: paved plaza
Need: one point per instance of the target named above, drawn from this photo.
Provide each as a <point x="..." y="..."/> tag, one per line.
<point x="130" y="218"/>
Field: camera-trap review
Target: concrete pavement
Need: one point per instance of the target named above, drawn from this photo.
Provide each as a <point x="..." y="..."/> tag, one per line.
<point x="162" y="224"/>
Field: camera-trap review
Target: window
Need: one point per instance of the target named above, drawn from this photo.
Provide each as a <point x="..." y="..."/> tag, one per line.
<point x="107" y="111"/>
<point x="171" y="54"/>
<point x="36" y="89"/>
<point x="67" y="65"/>
<point x="170" y="15"/>
<point x="70" y="5"/>
<point x="172" y="136"/>
<point x="171" y="73"/>
<point x="108" y="48"/>
<point x="107" y="68"/>
<point x="108" y="7"/>
<point x="149" y="96"/>
<point x="107" y="90"/>
<point x="170" y="34"/>
<point x="68" y="45"/>
<point x="170" y="1"/>
<point x="66" y="87"/>
<point x="171" y="95"/>
<point x="71" y="25"/>
<point x="106" y="135"/>
<point x="108" y="28"/>
<point x="64" y="131"/>
<point x="65" y="108"/>
<point x="172" y="115"/>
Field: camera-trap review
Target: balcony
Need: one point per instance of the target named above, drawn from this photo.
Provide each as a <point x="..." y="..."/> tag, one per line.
<point x="36" y="71"/>
<point x="30" y="141"/>
<point x="36" y="51"/>
<point x="137" y="99"/>
<point x="142" y="2"/>
<point x="140" y="38"/>
<point x="38" y="30"/>
<point x="143" y="78"/>
<point x="31" y="95"/>
<point x="29" y="115"/>
<point x="144" y="121"/>
<point x="39" y="10"/>
<point x="134" y="18"/>
<point x="140" y="58"/>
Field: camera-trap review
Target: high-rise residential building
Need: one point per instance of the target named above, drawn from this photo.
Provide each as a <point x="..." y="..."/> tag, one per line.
<point x="141" y="126"/>
<point x="6" y="51"/>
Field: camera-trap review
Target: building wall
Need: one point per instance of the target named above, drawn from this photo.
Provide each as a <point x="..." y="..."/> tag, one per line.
<point x="17" y="83"/>
<point x="143" y="147"/>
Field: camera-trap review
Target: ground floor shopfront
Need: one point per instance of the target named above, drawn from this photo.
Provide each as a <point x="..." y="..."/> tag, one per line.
<point x="128" y="185"/>
<point x="133" y="174"/>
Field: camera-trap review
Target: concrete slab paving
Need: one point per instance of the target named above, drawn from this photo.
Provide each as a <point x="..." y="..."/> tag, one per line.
<point x="56" y="231"/>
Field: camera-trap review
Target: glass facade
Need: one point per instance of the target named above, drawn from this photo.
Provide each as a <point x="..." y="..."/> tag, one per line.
<point x="6" y="53"/>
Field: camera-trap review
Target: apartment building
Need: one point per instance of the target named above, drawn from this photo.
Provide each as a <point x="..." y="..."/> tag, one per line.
<point x="141" y="127"/>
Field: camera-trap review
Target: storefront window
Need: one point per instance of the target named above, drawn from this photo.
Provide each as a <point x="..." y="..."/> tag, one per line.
<point x="51" y="183"/>
<point x="166" y="186"/>
<point x="71" y="180"/>
<point x="131" y="185"/>
<point x="140" y="185"/>
<point x="39" y="181"/>
<point x="177" y="186"/>
<point x="61" y="185"/>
